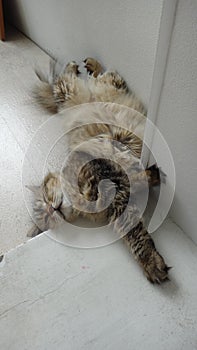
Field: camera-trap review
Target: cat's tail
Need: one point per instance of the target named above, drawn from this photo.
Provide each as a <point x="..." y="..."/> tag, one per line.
<point x="43" y="91"/>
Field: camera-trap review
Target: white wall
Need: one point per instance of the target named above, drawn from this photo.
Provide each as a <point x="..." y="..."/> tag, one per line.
<point x="122" y="34"/>
<point x="177" y="114"/>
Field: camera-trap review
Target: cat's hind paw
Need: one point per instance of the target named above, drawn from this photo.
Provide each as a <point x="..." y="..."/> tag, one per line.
<point x="155" y="268"/>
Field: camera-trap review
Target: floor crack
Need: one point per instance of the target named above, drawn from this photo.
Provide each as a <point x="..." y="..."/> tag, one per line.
<point x="54" y="290"/>
<point x="5" y="312"/>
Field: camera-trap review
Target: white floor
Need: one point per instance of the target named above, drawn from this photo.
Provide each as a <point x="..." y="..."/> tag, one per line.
<point x="55" y="297"/>
<point x="19" y="119"/>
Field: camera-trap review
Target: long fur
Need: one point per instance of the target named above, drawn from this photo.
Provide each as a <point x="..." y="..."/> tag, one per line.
<point x="102" y="176"/>
<point x="68" y="89"/>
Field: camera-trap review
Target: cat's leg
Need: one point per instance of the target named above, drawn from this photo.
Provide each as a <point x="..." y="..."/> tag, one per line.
<point x="140" y="243"/>
<point x="93" y="67"/>
<point x="143" y="248"/>
<point x="65" y="87"/>
<point x="109" y="77"/>
<point x="63" y="90"/>
<point x="113" y="78"/>
<point x="55" y="90"/>
<point x="69" y="89"/>
<point x="71" y="68"/>
<point x="152" y="176"/>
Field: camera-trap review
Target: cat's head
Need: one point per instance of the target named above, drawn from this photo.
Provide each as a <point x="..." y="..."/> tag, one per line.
<point x="48" y="202"/>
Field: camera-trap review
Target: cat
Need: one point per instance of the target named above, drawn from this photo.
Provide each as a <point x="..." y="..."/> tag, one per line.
<point x="107" y="188"/>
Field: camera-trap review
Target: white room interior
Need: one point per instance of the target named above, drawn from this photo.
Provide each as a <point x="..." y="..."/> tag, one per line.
<point x="56" y="297"/>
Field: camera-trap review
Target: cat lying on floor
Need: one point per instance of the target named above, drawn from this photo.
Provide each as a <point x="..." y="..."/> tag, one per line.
<point x="99" y="144"/>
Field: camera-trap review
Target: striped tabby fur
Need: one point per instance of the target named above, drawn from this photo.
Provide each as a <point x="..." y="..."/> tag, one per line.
<point x="102" y="177"/>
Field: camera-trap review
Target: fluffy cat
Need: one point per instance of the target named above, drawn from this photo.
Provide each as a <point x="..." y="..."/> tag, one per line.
<point x="104" y="160"/>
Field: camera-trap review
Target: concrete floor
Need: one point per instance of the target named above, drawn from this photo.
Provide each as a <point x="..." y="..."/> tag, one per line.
<point x="20" y="117"/>
<point x="55" y="297"/>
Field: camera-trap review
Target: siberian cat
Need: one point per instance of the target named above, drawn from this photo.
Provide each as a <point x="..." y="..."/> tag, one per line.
<point x="104" y="160"/>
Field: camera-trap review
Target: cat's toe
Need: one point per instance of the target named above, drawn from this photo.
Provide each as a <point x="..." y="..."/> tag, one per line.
<point x="93" y="66"/>
<point x="155" y="268"/>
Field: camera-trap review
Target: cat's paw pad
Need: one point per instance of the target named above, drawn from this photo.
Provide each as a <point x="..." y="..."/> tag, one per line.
<point x="155" y="268"/>
<point x="93" y="66"/>
<point x="72" y="68"/>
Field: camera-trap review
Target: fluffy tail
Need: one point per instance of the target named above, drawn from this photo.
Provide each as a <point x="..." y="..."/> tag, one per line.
<point x="44" y="90"/>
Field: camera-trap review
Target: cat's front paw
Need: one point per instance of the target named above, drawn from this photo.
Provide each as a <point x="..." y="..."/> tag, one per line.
<point x="72" y="68"/>
<point x="155" y="268"/>
<point x="93" y="66"/>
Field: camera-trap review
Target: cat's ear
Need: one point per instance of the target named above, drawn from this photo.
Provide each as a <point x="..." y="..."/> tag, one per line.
<point x="34" y="189"/>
